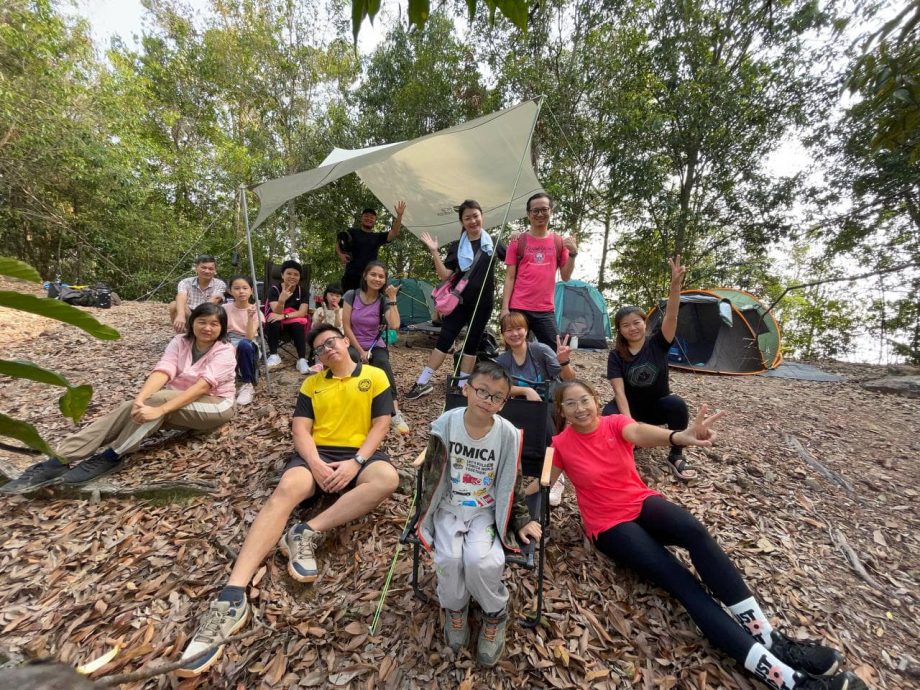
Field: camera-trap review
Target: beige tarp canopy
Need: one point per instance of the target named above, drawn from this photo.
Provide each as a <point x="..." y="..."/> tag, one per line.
<point x="480" y="159"/>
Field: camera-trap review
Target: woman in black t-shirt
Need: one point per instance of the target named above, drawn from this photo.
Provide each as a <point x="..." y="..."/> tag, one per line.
<point x="637" y="369"/>
<point x="472" y="254"/>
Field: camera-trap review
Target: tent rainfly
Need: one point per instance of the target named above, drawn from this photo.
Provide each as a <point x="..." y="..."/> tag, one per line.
<point x="581" y="311"/>
<point x="722" y="331"/>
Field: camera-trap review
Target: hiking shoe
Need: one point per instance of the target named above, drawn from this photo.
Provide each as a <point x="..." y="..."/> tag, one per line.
<point x="491" y="643"/>
<point x="419" y="390"/>
<point x="398" y="423"/>
<point x="303" y="366"/>
<point x="842" y="681"/>
<point x="93" y="467"/>
<point x="273" y="360"/>
<point x="555" y="492"/>
<point x="299" y="544"/>
<point x="457" y="628"/>
<point x="35" y="476"/>
<point x="810" y="657"/>
<point x="222" y="620"/>
<point x="244" y="397"/>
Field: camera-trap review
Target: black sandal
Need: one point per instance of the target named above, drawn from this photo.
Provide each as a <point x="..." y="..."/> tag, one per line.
<point x="680" y="468"/>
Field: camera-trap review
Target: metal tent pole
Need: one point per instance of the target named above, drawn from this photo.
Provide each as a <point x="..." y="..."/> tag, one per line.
<point x="255" y="287"/>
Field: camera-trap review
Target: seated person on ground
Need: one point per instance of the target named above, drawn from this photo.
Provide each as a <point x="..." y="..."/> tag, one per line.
<point x="331" y="309"/>
<point x="637" y="369"/>
<point x="288" y="308"/>
<point x="474" y="509"/>
<point x="369" y="311"/>
<point x="243" y="316"/>
<point x="191" y="387"/>
<point x="632" y="525"/>
<point x="341" y="418"/>
<point x="198" y="289"/>
<point x="534" y="362"/>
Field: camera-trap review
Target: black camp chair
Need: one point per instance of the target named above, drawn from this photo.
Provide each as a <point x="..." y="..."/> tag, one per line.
<point x="273" y="277"/>
<point x="532" y="418"/>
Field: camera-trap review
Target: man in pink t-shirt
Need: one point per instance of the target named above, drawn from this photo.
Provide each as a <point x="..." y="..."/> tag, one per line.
<point x="530" y="283"/>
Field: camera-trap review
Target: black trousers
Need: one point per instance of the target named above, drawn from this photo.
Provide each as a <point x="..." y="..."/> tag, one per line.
<point x="297" y="332"/>
<point x="640" y="546"/>
<point x="670" y="410"/>
<point x="543" y="326"/>
<point x="462" y="316"/>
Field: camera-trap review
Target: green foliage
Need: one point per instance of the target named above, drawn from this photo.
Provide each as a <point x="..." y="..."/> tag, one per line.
<point x="72" y="404"/>
<point x="59" y="311"/>
<point x="23" y="432"/>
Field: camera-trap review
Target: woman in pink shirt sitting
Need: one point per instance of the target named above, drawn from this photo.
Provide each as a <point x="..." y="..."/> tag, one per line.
<point x="632" y="525"/>
<point x="191" y="387"/>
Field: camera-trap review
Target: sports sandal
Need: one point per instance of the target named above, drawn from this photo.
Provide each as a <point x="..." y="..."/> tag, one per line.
<point x="680" y="468"/>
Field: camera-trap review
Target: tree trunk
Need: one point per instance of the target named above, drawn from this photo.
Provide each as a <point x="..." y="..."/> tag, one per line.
<point x="601" y="277"/>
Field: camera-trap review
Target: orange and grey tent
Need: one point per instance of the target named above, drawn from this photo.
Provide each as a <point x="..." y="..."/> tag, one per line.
<point x="722" y="331"/>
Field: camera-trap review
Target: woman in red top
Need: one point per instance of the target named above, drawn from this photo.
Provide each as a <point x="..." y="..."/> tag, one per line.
<point x="632" y="525"/>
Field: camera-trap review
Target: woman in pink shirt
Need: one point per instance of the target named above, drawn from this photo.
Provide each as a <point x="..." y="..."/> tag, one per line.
<point x="632" y="524"/>
<point x="191" y="387"/>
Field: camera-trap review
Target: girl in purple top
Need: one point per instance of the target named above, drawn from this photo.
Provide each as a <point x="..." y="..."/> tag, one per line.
<point x="366" y="313"/>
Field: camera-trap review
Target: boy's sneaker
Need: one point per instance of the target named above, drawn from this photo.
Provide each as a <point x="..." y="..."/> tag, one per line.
<point x="303" y="366"/>
<point x="810" y="657"/>
<point x="842" y="681"/>
<point x="398" y="423"/>
<point x="222" y="620"/>
<point x="419" y="390"/>
<point x="244" y="397"/>
<point x="36" y="476"/>
<point x="457" y="628"/>
<point x="555" y="492"/>
<point x="273" y="360"/>
<point x="92" y="468"/>
<point x="491" y="643"/>
<point x="299" y="544"/>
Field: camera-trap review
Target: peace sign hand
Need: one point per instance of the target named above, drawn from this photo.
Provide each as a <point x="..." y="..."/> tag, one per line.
<point x="700" y="432"/>
<point x="678" y="272"/>
<point x="563" y="351"/>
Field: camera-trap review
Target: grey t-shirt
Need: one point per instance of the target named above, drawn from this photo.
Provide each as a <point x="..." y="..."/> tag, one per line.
<point x="541" y="364"/>
<point x="472" y="466"/>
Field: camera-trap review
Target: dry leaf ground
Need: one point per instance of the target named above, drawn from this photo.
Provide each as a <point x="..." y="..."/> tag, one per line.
<point x="77" y="576"/>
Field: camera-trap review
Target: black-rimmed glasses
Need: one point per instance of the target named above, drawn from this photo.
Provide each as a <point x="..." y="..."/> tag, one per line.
<point x="484" y="395"/>
<point x="327" y="344"/>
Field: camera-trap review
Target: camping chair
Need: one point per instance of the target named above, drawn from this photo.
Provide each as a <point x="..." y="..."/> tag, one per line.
<point x="532" y="418"/>
<point x="272" y="277"/>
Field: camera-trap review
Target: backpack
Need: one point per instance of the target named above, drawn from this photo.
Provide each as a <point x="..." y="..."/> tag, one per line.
<point x="522" y="245"/>
<point x="99" y="295"/>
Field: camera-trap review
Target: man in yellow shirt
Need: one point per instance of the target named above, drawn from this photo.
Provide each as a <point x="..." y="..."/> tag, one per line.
<point x="341" y="417"/>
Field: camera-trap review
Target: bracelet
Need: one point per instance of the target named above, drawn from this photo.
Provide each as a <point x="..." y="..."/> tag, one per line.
<point x="671" y="438"/>
<point x="391" y="304"/>
<point x="565" y="363"/>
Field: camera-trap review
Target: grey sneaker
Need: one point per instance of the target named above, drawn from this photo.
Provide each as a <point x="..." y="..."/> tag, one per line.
<point x="222" y="620"/>
<point x="299" y="544"/>
<point x="93" y="467"/>
<point x="398" y="423"/>
<point x="419" y="390"/>
<point x="491" y="643"/>
<point x="457" y="628"/>
<point x="35" y="476"/>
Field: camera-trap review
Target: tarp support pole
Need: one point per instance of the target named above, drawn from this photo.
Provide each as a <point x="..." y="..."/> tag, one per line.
<point x="255" y="287"/>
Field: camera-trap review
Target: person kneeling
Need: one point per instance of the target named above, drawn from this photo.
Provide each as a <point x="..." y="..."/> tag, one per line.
<point x="341" y="417"/>
<point x="191" y="387"/>
<point x="469" y="518"/>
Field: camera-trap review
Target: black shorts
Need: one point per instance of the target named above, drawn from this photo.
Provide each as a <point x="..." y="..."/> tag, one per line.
<point x="335" y="454"/>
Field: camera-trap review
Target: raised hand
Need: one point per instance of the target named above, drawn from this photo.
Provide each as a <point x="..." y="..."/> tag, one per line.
<point x="400" y="208"/>
<point x="569" y="243"/>
<point x="563" y="351"/>
<point x="700" y="432"/>
<point x="390" y="291"/>
<point x="677" y="271"/>
<point x="429" y="241"/>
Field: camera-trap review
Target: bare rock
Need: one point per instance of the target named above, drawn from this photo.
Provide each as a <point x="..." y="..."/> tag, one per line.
<point x="908" y="386"/>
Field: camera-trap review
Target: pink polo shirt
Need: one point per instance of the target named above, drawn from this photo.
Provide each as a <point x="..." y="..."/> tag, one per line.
<point x="217" y="367"/>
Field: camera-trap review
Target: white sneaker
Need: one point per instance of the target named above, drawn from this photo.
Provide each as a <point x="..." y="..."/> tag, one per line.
<point x="555" y="493"/>
<point x="273" y="360"/>
<point x="398" y="424"/>
<point x="244" y="397"/>
<point x="303" y="366"/>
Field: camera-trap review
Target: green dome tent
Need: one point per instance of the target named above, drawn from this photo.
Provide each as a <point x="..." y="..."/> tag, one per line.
<point x="581" y="311"/>
<point x="722" y="331"/>
<point x="413" y="301"/>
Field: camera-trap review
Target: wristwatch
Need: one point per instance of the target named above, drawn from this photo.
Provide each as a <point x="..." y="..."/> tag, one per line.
<point x="360" y="459"/>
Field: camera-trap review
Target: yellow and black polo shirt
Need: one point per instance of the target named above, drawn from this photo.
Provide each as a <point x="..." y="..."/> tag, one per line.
<point x="342" y="409"/>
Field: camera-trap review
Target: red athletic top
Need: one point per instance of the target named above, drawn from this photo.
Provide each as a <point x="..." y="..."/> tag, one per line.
<point x="602" y="469"/>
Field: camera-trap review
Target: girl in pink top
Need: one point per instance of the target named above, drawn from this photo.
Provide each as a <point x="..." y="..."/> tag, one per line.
<point x="191" y="387"/>
<point x="632" y="525"/>
<point x="243" y="317"/>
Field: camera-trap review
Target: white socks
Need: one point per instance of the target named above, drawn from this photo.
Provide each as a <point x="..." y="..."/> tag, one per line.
<point x="769" y="669"/>
<point x="751" y="618"/>
<point x="425" y="376"/>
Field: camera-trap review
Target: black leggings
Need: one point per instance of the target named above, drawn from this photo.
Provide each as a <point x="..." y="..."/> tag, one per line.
<point x="462" y="316"/>
<point x="640" y="546"/>
<point x="670" y="410"/>
<point x="297" y="332"/>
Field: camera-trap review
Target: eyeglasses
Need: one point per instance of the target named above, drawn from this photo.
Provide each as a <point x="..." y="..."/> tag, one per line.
<point x="542" y="211"/>
<point x="327" y="344"/>
<point x="485" y="396"/>
<point x="572" y="405"/>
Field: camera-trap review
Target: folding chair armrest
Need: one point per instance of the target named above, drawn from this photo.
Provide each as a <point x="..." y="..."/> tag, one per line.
<point x="525" y="559"/>
<point x="547" y="467"/>
<point x="408" y="535"/>
<point x="420" y="460"/>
